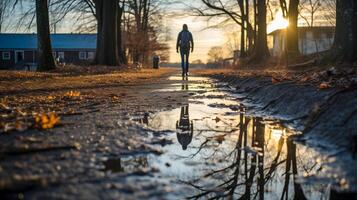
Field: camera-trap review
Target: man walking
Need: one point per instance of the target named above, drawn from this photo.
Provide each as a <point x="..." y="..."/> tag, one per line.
<point x="184" y="45"/>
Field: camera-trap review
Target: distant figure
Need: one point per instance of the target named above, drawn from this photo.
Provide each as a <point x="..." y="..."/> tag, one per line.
<point x="156" y="61"/>
<point x="184" y="128"/>
<point x="184" y="45"/>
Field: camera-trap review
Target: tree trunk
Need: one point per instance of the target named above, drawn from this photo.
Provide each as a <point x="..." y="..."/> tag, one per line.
<point x="242" y="35"/>
<point x="121" y="54"/>
<point x="98" y="14"/>
<point x="45" y="57"/>
<point x="107" y="53"/>
<point x="250" y="36"/>
<point x="261" y="51"/>
<point x="255" y="5"/>
<point x="344" y="48"/>
<point x="2" y="7"/>
<point x="292" y="41"/>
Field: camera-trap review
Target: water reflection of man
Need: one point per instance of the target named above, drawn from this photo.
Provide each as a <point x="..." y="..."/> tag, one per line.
<point x="184" y="85"/>
<point x="184" y="128"/>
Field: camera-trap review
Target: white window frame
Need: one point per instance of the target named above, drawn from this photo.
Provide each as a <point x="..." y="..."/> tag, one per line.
<point x="91" y="57"/>
<point x="6" y="57"/>
<point x="80" y="55"/>
<point x="60" y="55"/>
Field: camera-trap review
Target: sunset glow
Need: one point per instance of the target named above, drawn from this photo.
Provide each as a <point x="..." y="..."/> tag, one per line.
<point x="279" y="22"/>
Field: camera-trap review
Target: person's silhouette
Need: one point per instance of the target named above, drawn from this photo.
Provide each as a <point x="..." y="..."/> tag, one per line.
<point x="184" y="45"/>
<point x="184" y="84"/>
<point x="184" y="128"/>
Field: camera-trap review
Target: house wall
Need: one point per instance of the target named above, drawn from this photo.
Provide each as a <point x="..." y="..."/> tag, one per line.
<point x="278" y="44"/>
<point x="30" y="56"/>
<point x="6" y="64"/>
<point x="73" y="56"/>
<point x="310" y="42"/>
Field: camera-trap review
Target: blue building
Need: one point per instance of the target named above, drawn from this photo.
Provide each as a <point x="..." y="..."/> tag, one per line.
<point x="21" y="49"/>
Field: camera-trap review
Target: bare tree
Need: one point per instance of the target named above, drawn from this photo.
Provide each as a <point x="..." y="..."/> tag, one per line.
<point x="330" y="14"/>
<point x="215" y="54"/>
<point x="107" y="37"/>
<point x="261" y="51"/>
<point x="232" y="42"/>
<point x="44" y="51"/>
<point x="292" y="39"/>
<point x="317" y="11"/>
<point x="310" y="7"/>
<point x="219" y="8"/>
<point x="344" y="48"/>
<point x="4" y="7"/>
<point x="144" y="32"/>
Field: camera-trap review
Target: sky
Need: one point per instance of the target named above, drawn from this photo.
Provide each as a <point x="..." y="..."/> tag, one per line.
<point x="178" y="14"/>
<point x="204" y="39"/>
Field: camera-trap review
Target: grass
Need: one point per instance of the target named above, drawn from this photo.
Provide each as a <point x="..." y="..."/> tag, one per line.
<point x="17" y="82"/>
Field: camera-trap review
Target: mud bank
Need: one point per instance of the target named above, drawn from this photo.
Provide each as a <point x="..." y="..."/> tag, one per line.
<point x="329" y="116"/>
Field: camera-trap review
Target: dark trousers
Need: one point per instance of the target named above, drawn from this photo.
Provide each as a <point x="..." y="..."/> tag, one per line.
<point x="185" y="54"/>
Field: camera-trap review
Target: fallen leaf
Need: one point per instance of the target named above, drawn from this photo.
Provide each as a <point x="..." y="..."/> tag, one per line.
<point x="51" y="97"/>
<point x="217" y="119"/>
<point x="47" y="121"/>
<point x="324" y="85"/>
<point x="72" y="94"/>
<point x="274" y="80"/>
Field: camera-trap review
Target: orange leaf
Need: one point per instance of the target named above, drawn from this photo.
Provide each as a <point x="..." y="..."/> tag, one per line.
<point x="275" y="80"/>
<point x="47" y="121"/>
<point x="72" y="94"/>
<point x="324" y="85"/>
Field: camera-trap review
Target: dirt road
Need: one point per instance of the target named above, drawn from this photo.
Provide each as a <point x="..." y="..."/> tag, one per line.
<point x="154" y="136"/>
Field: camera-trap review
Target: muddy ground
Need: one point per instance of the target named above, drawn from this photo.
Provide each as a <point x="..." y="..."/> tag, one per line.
<point x="328" y="113"/>
<point x="80" y="157"/>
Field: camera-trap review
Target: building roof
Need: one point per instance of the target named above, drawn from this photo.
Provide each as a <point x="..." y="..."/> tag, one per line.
<point x="308" y="28"/>
<point x="59" y="41"/>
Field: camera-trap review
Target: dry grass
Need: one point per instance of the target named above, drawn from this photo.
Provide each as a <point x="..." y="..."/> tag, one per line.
<point x="16" y="82"/>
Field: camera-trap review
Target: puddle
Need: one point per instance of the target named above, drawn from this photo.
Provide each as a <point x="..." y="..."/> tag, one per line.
<point x="129" y="164"/>
<point x="219" y="152"/>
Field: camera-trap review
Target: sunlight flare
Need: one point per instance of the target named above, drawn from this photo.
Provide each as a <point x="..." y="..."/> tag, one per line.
<point x="279" y="22"/>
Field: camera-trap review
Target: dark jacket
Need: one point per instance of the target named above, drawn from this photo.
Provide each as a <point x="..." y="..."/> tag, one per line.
<point x="179" y="43"/>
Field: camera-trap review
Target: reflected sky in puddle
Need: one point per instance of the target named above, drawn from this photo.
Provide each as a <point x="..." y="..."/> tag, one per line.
<point x="218" y="151"/>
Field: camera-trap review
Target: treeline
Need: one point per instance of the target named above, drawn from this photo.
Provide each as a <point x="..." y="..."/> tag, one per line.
<point x="251" y="17"/>
<point x="128" y="31"/>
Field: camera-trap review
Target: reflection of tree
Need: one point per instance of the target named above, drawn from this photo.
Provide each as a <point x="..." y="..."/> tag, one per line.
<point x="247" y="174"/>
<point x="292" y="166"/>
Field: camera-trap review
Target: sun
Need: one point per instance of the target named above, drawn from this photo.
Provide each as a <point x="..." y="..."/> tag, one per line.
<point x="279" y="22"/>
